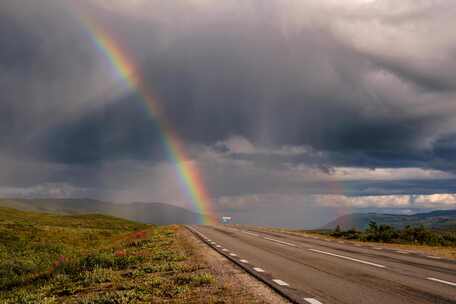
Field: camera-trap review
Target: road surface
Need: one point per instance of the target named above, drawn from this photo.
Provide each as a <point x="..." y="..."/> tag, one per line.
<point x="316" y="271"/>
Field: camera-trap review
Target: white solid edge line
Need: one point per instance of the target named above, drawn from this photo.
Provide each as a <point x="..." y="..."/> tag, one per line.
<point x="312" y="301"/>
<point x="257" y="269"/>
<point x="433" y="257"/>
<point x="244" y="261"/>
<point x="442" y="281"/>
<point x="197" y="232"/>
<point x="402" y="252"/>
<point x="250" y="233"/>
<point x="348" y="258"/>
<point x="280" y="282"/>
<point x="280" y="242"/>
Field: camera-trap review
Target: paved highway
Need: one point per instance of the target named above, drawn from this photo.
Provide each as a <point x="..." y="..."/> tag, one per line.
<point x="316" y="271"/>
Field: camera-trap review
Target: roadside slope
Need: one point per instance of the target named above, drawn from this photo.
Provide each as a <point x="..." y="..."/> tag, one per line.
<point x="84" y="259"/>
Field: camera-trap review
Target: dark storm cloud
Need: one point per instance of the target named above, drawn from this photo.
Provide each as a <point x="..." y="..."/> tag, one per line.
<point x="231" y="84"/>
<point x="122" y="129"/>
<point x="244" y="77"/>
<point x="355" y="87"/>
<point x="437" y="76"/>
<point x="412" y="186"/>
<point x="49" y="73"/>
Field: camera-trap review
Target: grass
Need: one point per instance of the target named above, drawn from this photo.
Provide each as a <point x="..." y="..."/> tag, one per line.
<point x="407" y="235"/>
<point x="99" y="259"/>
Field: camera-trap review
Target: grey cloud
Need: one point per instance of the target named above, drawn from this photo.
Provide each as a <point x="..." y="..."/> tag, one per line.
<point x="47" y="190"/>
<point x="242" y="75"/>
<point x="49" y="72"/>
<point x="120" y="130"/>
<point x="313" y="75"/>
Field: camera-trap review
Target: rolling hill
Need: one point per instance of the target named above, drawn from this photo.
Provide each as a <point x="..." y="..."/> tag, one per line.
<point x="95" y="258"/>
<point x="441" y="219"/>
<point x="151" y="213"/>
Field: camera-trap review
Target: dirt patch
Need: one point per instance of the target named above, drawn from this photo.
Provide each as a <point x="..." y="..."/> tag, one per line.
<point x="238" y="286"/>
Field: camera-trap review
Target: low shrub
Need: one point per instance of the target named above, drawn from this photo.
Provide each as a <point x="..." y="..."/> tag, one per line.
<point x="98" y="275"/>
<point x="115" y="297"/>
<point x="388" y="234"/>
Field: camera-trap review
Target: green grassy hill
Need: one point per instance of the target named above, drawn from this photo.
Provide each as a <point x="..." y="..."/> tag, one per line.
<point x="34" y="248"/>
<point x="152" y="213"/>
<point x="94" y="259"/>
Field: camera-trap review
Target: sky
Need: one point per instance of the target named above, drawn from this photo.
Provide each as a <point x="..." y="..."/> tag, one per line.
<point x="294" y="111"/>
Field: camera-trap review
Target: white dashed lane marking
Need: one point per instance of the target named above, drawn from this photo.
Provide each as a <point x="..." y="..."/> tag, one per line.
<point x="258" y="269"/>
<point x="312" y="301"/>
<point x="250" y="233"/>
<point x="270" y="239"/>
<point x="280" y="282"/>
<point x="348" y="258"/>
<point x="442" y="281"/>
<point x="280" y="242"/>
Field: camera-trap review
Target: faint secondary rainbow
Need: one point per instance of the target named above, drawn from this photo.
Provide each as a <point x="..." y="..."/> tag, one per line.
<point x="127" y="70"/>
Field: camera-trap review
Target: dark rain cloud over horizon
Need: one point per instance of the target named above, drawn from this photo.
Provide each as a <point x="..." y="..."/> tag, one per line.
<point x="273" y="85"/>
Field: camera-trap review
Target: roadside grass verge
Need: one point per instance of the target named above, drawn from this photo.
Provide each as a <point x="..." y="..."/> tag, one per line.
<point x="418" y="235"/>
<point x="97" y="259"/>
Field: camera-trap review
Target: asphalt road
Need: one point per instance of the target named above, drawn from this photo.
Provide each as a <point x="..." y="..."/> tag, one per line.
<point x="317" y="271"/>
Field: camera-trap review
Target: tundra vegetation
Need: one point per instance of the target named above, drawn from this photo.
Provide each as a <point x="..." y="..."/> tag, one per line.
<point x="98" y="259"/>
<point x="407" y="235"/>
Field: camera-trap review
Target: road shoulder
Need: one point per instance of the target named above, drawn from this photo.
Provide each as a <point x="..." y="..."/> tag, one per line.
<point x="445" y="252"/>
<point x="239" y="286"/>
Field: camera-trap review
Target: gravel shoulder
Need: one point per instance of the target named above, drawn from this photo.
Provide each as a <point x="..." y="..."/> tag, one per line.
<point x="238" y="286"/>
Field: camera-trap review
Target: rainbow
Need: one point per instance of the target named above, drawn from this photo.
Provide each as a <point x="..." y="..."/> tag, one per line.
<point x="127" y="70"/>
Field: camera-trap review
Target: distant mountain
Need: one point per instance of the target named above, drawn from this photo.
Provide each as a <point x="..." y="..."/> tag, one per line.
<point x="442" y="219"/>
<point x="151" y="213"/>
